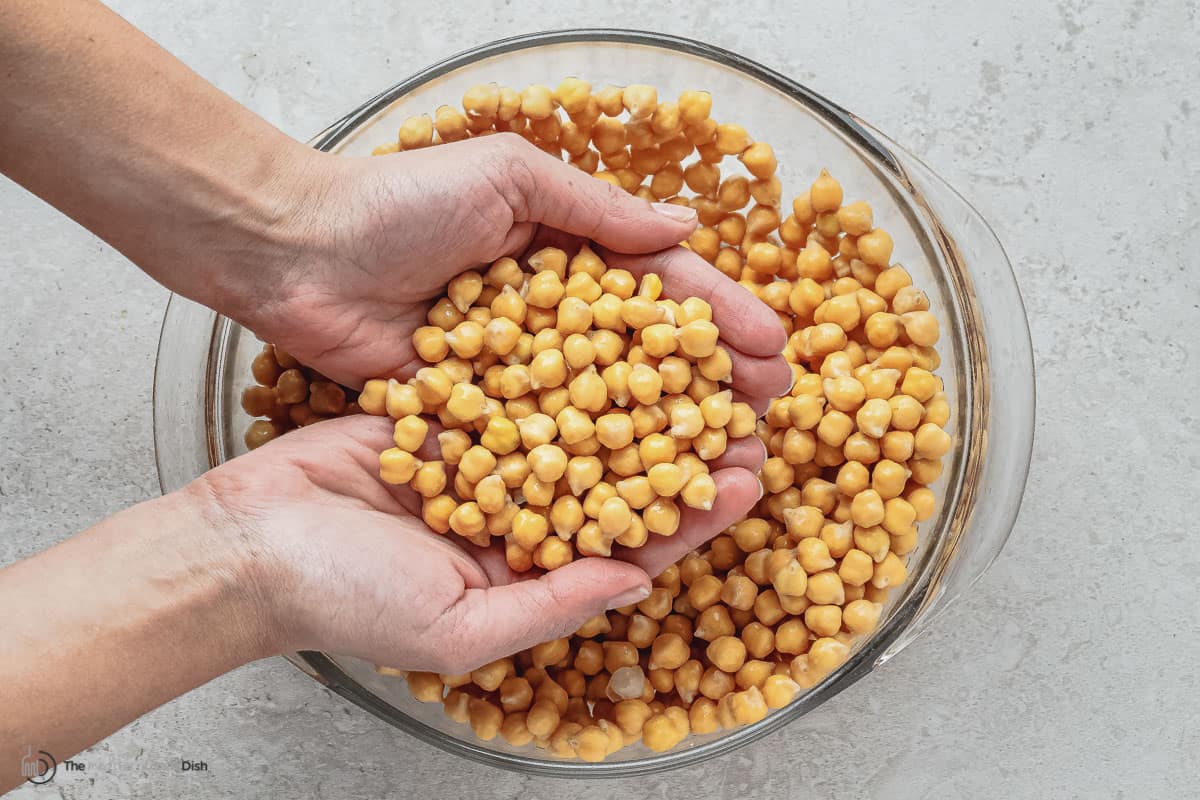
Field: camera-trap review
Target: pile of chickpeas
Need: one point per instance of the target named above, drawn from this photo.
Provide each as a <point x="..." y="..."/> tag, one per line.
<point x="772" y="605"/>
<point x="290" y="395"/>
<point x="578" y="407"/>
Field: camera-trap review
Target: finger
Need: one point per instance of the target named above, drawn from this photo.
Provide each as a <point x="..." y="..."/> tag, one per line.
<point x="748" y="453"/>
<point x="361" y="438"/>
<point x="431" y="448"/>
<point x="737" y="492"/>
<point x="517" y="240"/>
<point x="747" y="324"/>
<point x="494" y="564"/>
<point x="502" y="620"/>
<point x="554" y="193"/>
<point x="762" y="377"/>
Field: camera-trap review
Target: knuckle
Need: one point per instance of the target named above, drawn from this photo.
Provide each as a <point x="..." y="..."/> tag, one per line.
<point x="506" y="165"/>
<point x="612" y="196"/>
<point x="460" y="652"/>
<point x="508" y="146"/>
<point x="535" y="605"/>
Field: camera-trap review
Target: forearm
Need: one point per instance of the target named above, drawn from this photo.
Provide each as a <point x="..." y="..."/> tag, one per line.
<point x="108" y="625"/>
<point x="108" y="127"/>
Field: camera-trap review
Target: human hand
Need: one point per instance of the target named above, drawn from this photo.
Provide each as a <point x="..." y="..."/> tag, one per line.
<point x="375" y="240"/>
<point x="342" y="562"/>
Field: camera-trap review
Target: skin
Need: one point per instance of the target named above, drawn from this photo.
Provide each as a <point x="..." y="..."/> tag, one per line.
<point x="298" y="545"/>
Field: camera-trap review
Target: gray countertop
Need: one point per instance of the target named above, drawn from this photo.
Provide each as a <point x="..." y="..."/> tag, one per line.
<point x="1069" y="671"/>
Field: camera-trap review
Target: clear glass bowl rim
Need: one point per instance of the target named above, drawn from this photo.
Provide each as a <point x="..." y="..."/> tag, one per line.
<point x="322" y="668"/>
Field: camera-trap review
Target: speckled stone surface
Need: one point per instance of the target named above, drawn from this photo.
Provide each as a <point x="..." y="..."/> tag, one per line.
<point x="1069" y="672"/>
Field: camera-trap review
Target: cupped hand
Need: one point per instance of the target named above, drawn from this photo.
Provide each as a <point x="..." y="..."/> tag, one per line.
<point x="375" y="240"/>
<point x="342" y="562"/>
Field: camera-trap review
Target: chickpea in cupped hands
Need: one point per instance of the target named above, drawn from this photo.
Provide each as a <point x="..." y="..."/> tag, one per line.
<point x="575" y="408"/>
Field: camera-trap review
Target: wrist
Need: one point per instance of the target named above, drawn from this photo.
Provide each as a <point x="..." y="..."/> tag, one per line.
<point x="228" y="573"/>
<point x="264" y="227"/>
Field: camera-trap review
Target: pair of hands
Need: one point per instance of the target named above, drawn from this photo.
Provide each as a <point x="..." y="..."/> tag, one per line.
<point x="340" y="561"/>
<point x="298" y="545"/>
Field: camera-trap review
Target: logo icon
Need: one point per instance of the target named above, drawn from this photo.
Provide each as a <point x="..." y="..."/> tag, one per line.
<point x="38" y="769"/>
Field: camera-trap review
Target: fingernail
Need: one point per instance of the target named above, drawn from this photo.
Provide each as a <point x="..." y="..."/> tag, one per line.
<point x="681" y="213"/>
<point x="786" y="385"/>
<point x="630" y="596"/>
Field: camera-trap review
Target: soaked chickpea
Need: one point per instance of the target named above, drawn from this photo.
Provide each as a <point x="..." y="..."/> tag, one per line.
<point x="579" y="408"/>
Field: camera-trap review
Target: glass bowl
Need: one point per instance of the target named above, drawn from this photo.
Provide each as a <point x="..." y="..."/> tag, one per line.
<point x="987" y="364"/>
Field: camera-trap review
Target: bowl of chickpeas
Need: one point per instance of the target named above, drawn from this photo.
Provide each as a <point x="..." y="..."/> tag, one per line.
<point x="579" y="407"/>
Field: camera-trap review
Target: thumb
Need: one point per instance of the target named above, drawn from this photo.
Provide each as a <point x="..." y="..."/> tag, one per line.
<point x="560" y="196"/>
<point x="503" y="620"/>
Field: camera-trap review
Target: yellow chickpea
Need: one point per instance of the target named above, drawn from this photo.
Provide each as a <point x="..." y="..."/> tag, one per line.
<point x="726" y="653"/>
<point x="930" y="441"/>
<point x="732" y="139"/>
<point x="925" y="470"/>
<point x="710" y="443"/>
<point x="552" y="553"/>
<point x="717" y="409"/>
<point x="875" y="248"/>
<point x="485" y="718"/>
<point x="813" y="263"/>
<point x="715" y="683"/>
<point x="529" y="528"/>
<point x="615" y="517"/>
<point x="921" y="327"/>
<point x="542" y="718"/>
<point x="625" y="462"/>
<point x="779" y="690"/>
<point x="888" y="478"/>
<point x="873" y="541"/>
<point x="889" y="572"/>
<point x="923" y="502"/>
<point x="739" y="593"/>
<point x="899" y="516"/>
<point x="666" y="480"/>
<point x="867" y="509"/>
<point x="661" y="517"/>
<point x="698" y="338"/>
<point x="827" y="654"/>
<point x="825" y="193"/>
<point x="792" y="637"/>
<point x="655" y="448"/>
<point x="856" y="568"/>
<point x="430" y="479"/>
<point x="409" y="433"/>
<point x="825" y="588"/>
<point x="704" y="592"/>
<point x="751" y="534"/>
<point x="790" y="580"/>
<point x="397" y="466"/>
<point x="758" y="638"/>
<point x="645" y="384"/>
<point x="861" y="616"/>
<point x="834" y="428"/>
<point x="803" y="522"/>
<point x="660" y="733"/>
<point x="823" y="620"/>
